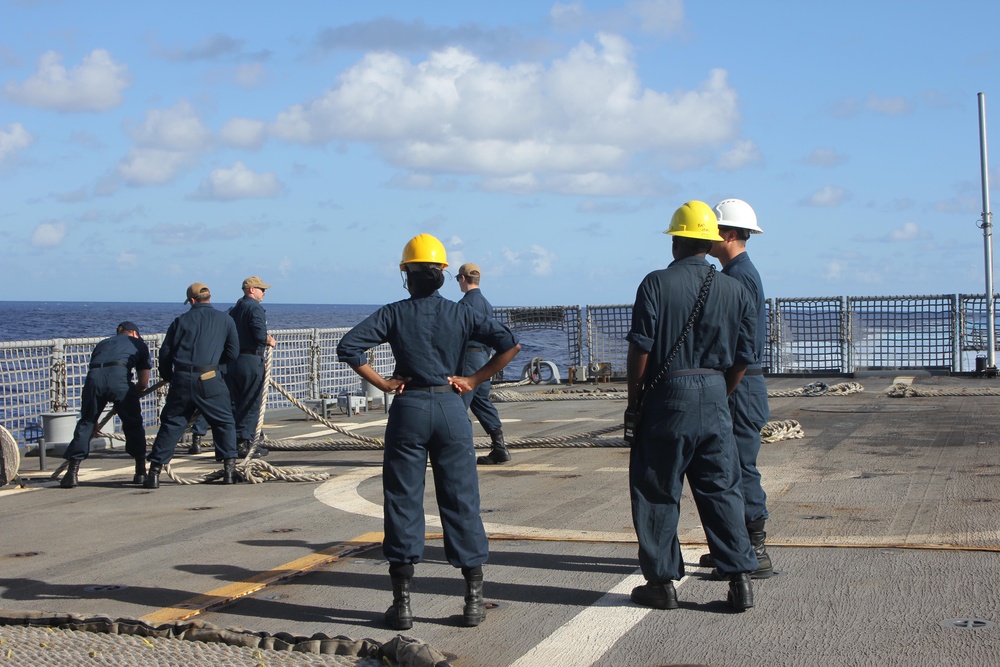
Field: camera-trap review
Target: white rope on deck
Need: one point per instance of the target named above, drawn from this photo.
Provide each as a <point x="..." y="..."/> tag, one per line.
<point x="904" y="390"/>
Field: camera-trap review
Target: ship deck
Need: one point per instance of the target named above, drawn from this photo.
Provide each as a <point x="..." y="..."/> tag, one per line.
<point x="884" y="530"/>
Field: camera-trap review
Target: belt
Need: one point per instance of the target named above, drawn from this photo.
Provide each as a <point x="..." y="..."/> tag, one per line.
<point x="194" y="369"/>
<point x="476" y="348"/>
<point x="434" y="389"/>
<point x="754" y="371"/>
<point x="110" y="363"/>
<point x="691" y="371"/>
<point x="250" y="352"/>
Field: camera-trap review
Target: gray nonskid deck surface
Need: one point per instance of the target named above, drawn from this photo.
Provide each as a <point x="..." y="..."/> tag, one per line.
<point x="884" y="530"/>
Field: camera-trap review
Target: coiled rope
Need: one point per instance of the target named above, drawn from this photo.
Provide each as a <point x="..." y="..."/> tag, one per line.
<point x="819" y="389"/>
<point x="903" y="390"/>
<point x="256" y="471"/>
<point x="10" y="457"/>
<point x="785" y="429"/>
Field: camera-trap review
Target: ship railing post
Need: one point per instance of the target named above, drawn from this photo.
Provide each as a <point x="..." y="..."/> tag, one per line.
<point x="956" y="334"/>
<point x="846" y="346"/>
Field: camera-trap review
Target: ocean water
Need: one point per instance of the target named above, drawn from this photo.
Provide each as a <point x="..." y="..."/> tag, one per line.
<point x="43" y="320"/>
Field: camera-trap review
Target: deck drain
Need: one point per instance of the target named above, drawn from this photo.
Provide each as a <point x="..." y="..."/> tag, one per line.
<point x="26" y="554"/>
<point x="967" y="623"/>
<point x="274" y="596"/>
<point x="199" y="509"/>
<point x="814" y="517"/>
<point x="283" y="530"/>
<point x="105" y="588"/>
<point x="567" y="476"/>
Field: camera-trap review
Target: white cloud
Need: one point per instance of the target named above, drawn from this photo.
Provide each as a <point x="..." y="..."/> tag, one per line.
<point x="12" y="139"/>
<point x="834" y="270"/>
<point x="243" y="133"/>
<point x="238" y="182"/>
<point x="94" y="85"/>
<point x="455" y="113"/>
<point x="167" y="141"/>
<point x="48" y="234"/>
<point x="177" y="128"/>
<point x="828" y="196"/>
<point x="908" y="232"/>
<point x="743" y="153"/>
<point x="889" y="106"/>
<point x="152" y="166"/>
<point x="537" y="257"/>
<point x="127" y="260"/>
<point x="825" y="157"/>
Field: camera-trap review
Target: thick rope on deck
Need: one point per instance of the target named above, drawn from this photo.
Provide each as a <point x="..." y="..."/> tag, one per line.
<point x="903" y="390"/>
<point x="786" y="429"/>
<point x="10" y="457"/>
<point x="503" y="396"/>
<point x="376" y="442"/>
<point x="400" y="650"/>
<point x="819" y="389"/>
<point x="254" y="471"/>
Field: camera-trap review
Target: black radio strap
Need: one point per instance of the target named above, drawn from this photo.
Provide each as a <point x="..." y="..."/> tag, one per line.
<point x="698" y="305"/>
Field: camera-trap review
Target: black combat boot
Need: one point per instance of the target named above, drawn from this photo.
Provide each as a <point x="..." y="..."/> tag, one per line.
<point x="140" y="471"/>
<point x="195" y="447"/>
<point x="243" y="448"/>
<point x="400" y="616"/>
<point x="498" y="450"/>
<point x="474" y="611"/>
<point x="153" y="476"/>
<point x="740" y="592"/>
<point x="657" y="596"/>
<point x="755" y="529"/>
<point x="229" y="475"/>
<point x="69" y="479"/>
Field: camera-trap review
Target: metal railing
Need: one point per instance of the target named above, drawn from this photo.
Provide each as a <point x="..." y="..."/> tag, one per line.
<point x="838" y="335"/>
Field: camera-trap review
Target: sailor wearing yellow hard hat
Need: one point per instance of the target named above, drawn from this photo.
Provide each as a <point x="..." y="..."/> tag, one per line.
<point x="690" y="341"/>
<point x="429" y="336"/>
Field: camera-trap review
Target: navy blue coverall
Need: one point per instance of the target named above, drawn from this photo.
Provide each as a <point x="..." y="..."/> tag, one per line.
<point x="109" y="380"/>
<point x="685" y="427"/>
<point x="428" y="336"/>
<point x="476" y="356"/>
<point x="196" y="343"/>
<point x="245" y="375"/>
<point x="748" y="404"/>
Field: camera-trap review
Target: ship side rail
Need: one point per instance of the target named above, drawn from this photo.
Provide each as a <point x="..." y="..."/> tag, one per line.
<point x="805" y="336"/>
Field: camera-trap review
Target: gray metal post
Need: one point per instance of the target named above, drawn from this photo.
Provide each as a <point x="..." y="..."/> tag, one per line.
<point x="957" y="358"/>
<point x="846" y="337"/>
<point x="987" y="226"/>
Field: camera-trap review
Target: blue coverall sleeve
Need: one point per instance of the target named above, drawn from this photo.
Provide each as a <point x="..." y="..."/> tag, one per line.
<point x="371" y="332"/>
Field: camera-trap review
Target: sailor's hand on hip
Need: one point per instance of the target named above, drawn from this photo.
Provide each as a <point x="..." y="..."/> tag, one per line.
<point x="462" y="385"/>
<point x="395" y="385"/>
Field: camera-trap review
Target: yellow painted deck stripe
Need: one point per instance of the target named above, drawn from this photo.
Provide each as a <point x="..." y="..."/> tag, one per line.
<point x="225" y="594"/>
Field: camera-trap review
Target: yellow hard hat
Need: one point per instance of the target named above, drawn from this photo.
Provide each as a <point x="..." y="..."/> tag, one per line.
<point x="695" y="220"/>
<point x="426" y="249"/>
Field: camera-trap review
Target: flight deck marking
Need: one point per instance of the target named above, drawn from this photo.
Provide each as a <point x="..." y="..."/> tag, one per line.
<point x="226" y="594"/>
<point x="341" y="493"/>
<point x="591" y="633"/>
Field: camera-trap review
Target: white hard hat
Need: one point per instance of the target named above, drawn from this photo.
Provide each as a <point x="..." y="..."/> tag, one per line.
<point x="737" y="213"/>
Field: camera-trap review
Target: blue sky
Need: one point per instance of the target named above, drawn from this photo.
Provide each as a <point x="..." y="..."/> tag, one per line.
<point x="144" y="147"/>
